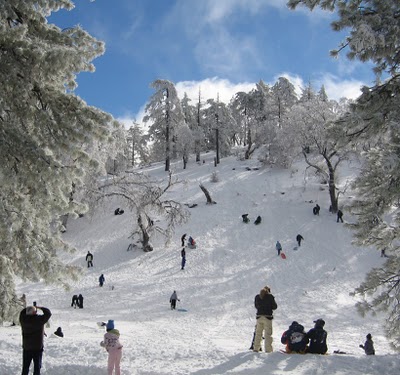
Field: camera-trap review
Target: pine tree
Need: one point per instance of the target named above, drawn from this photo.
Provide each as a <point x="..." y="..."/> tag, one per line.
<point x="46" y="142"/>
<point x="374" y="123"/>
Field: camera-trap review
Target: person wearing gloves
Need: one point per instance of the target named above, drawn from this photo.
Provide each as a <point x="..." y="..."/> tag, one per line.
<point x="114" y="348"/>
<point x="32" y="326"/>
<point x="368" y="346"/>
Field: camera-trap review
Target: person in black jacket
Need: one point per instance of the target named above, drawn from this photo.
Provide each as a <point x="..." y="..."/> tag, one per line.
<point x="299" y="238"/>
<point x="317" y="337"/>
<point x="265" y="304"/>
<point x="295" y="339"/>
<point x="32" y="326"/>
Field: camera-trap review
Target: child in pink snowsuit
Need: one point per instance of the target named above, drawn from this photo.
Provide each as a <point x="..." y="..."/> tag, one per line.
<point x="114" y="348"/>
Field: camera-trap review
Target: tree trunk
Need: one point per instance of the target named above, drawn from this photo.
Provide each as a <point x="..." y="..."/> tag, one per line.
<point x="145" y="235"/>
<point x="207" y="194"/>
<point x="332" y="187"/>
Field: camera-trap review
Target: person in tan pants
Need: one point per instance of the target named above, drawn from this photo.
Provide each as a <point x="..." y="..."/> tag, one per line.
<point x="265" y="303"/>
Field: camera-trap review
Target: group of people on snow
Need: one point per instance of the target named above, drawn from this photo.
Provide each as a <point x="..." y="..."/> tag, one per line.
<point x="295" y="338"/>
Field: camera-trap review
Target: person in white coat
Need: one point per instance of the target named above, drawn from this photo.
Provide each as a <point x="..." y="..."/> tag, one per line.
<point x="114" y="348"/>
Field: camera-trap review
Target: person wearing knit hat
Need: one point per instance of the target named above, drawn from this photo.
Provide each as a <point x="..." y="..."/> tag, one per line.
<point x="110" y="325"/>
<point x="32" y="326"/>
<point x="114" y="348"/>
<point x="368" y="345"/>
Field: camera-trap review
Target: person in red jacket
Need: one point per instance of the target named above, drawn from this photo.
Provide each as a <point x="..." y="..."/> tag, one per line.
<point x="32" y="326"/>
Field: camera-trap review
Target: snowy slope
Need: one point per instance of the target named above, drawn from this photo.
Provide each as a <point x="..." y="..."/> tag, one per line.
<point x="211" y="331"/>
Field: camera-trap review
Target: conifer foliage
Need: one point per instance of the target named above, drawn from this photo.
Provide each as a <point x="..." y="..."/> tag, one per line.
<point x="373" y="124"/>
<point x="46" y="139"/>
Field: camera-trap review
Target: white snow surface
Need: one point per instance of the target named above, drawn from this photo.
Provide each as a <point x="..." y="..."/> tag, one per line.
<point x="210" y="332"/>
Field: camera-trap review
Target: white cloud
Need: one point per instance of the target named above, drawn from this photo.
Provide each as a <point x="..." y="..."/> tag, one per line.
<point x="211" y="88"/>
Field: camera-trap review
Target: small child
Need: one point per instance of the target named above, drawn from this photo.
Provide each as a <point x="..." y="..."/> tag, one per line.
<point x="368" y="346"/>
<point x="114" y="348"/>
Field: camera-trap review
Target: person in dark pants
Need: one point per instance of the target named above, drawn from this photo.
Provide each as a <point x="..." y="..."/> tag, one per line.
<point x="102" y="279"/>
<point x="89" y="259"/>
<point x="183" y="263"/>
<point x="173" y="299"/>
<point x="74" y="302"/>
<point x="299" y="238"/>
<point x="80" y="301"/>
<point x="32" y="326"/>
<point x="316" y="209"/>
<point x="339" y="216"/>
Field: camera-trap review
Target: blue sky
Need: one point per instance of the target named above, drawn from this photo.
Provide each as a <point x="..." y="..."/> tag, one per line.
<point x="219" y="46"/>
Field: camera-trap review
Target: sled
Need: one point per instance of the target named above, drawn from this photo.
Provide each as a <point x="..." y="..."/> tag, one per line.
<point x="283" y="256"/>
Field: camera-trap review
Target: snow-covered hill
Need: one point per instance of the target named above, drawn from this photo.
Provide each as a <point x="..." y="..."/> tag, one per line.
<point x="211" y="330"/>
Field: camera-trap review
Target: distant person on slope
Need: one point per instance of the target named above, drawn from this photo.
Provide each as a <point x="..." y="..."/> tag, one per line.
<point x="278" y="247"/>
<point x="299" y="237"/>
<point x="183" y="239"/>
<point x="316" y="209"/>
<point x="173" y="299"/>
<point x="317" y="337"/>
<point x="89" y="259"/>
<point x="265" y="303"/>
<point x="368" y="346"/>
<point x="102" y="280"/>
<point x="339" y="216"/>
<point x="114" y="348"/>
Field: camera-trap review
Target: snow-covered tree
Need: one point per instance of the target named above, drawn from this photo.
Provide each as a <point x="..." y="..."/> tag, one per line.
<point x="375" y="120"/>
<point x="313" y="126"/>
<point x="149" y="204"/>
<point x="284" y="97"/>
<point x="136" y="146"/>
<point x="47" y="140"/>
<point x="164" y="112"/>
<point x="221" y="127"/>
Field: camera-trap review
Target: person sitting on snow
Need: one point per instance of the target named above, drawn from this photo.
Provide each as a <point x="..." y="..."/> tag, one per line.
<point x="295" y="339"/>
<point x="317" y="337"/>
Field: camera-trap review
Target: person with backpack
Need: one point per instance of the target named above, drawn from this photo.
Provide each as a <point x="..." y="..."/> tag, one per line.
<point x="317" y="337"/>
<point x="89" y="259"/>
<point x="316" y="209"/>
<point x="265" y="304"/>
<point x="173" y="299"/>
<point x="114" y="348"/>
<point x="299" y="238"/>
<point x="245" y="218"/>
<point x="258" y="220"/>
<point x="368" y="345"/>
<point x="295" y="339"/>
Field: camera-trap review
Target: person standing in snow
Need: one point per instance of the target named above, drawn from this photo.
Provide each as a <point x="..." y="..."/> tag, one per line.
<point x="368" y="346"/>
<point x="102" y="280"/>
<point x="183" y="239"/>
<point x="114" y="348"/>
<point x="173" y="299"/>
<point x="299" y="237"/>
<point x="32" y="326"/>
<point x="339" y="216"/>
<point x="265" y="303"/>
<point x="80" y="301"/>
<point x="278" y="247"/>
<point x="89" y="259"/>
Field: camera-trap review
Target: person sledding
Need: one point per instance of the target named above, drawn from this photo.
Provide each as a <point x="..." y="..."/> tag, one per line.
<point x="245" y="218"/>
<point x="295" y="339"/>
<point x="191" y="243"/>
